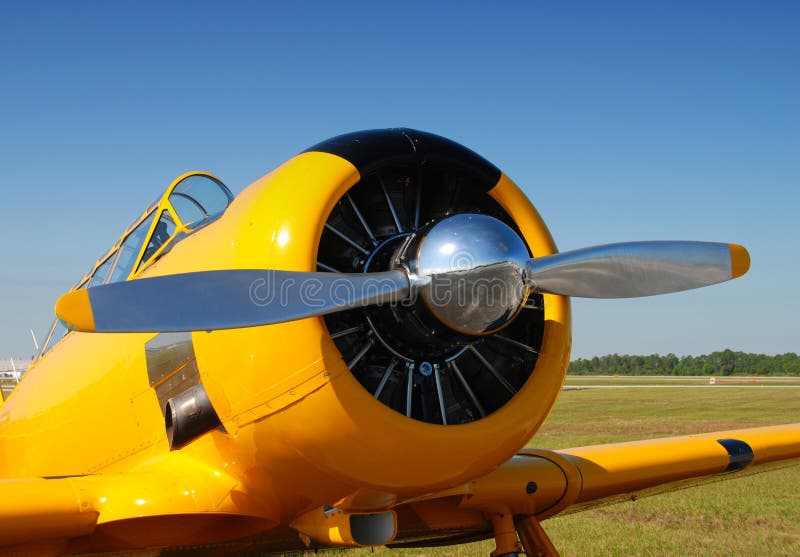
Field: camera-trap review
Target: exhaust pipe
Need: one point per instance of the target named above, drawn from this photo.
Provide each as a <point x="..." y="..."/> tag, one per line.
<point x="188" y="416"/>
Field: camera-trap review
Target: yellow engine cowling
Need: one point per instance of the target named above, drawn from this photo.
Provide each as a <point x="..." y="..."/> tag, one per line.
<point x="291" y="407"/>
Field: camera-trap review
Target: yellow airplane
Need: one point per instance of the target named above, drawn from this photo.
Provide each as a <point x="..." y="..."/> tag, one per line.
<point x="352" y="352"/>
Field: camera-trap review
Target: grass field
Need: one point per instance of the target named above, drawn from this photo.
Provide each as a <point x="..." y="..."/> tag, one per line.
<point x="752" y="515"/>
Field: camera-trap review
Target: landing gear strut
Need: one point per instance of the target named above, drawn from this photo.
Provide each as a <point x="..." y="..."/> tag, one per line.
<point x="505" y="535"/>
<point x="534" y="539"/>
<point x="523" y="536"/>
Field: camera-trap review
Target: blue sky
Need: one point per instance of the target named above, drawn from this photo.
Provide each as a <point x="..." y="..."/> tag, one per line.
<point x="621" y="121"/>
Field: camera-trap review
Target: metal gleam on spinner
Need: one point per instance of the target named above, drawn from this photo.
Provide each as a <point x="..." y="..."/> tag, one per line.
<point x="475" y="268"/>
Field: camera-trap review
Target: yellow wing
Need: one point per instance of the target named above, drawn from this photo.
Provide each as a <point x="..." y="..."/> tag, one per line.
<point x="538" y="484"/>
<point x="175" y="495"/>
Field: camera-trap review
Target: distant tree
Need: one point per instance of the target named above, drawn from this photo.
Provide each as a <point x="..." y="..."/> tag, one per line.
<point x="725" y="362"/>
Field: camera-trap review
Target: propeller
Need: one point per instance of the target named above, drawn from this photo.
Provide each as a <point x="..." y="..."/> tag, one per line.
<point x="472" y="271"/>
<point x="227" y="299"/>
<point x="634" y="269"/>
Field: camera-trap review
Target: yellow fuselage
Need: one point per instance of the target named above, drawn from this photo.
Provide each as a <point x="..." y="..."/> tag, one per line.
<point x="299" y="430"/>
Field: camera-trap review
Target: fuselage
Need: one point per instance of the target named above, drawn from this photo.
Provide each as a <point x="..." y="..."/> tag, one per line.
<point x="298" y="431"/>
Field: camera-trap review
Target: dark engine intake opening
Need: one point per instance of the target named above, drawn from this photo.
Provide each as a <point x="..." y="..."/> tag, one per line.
<point x="402" y="354"/>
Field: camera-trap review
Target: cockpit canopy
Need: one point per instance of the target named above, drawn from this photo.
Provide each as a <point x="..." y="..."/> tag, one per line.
<point x="192" y="201"/>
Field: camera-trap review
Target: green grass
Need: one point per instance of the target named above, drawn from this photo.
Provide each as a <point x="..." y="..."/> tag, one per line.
<point x="591" y="416"/>
<point x="750" y="515"/>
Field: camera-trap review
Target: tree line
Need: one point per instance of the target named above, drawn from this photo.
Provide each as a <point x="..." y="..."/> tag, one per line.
<point x="726" y="362"/>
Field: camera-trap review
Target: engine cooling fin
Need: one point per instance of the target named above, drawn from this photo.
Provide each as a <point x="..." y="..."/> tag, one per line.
<point x="403" y="355"/>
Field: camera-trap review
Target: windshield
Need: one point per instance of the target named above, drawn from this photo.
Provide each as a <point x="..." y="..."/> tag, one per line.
<point x="198" y="198"/>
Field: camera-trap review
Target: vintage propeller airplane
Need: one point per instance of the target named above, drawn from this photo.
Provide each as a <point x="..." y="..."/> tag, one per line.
<point x="352" y="352"/>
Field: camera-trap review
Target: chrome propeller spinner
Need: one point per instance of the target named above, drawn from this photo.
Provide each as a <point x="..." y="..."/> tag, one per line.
<point x="469" y="270"/>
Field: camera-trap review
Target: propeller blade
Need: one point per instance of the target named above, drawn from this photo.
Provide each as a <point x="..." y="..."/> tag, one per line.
<point x="633" y="269"/>
<point x="213" y="300"/>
